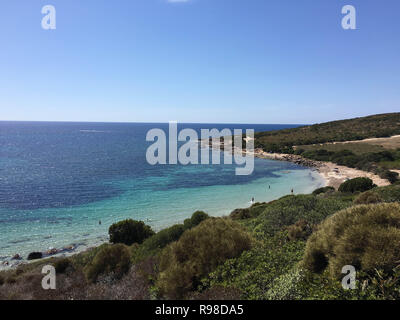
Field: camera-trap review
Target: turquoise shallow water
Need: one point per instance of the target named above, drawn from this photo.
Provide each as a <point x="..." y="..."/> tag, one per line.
<point x="59" y="180"/>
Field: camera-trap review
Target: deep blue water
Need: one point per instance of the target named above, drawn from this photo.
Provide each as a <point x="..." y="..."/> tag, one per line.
<point x="58" y="179"/>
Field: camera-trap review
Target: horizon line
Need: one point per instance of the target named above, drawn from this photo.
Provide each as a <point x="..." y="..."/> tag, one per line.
<point x="145" y="122"/>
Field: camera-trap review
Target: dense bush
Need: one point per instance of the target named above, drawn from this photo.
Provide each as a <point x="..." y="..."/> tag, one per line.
<point x="389" y="193"/>
<point x="323" y="190"/>
<point x="368" y="197"/>
<point x="366" y="237"/>
<point x="357" y="184"/>
<point x="61" y="265"/>
<point x="111" y="260"/>
<point x="152" y="245"/>
<point x="289" y="209"/>
<point x="197" y="252"/>
<point x="240" y="214"/>
<point x="247" y="213"/>
<point x="195" y="220"/>
<point x="301" y="230"/>
<point x="255" y="271"/>
<point x="391" y="176"/>
<point x="129" y="232"/>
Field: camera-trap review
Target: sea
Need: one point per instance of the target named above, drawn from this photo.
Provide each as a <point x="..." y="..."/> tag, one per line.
<point x="62" y="184"/>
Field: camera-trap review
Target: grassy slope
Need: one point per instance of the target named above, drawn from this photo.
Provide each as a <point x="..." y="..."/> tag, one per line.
<point x="267" y="271"/>
<point x="381" y="125"/>
<point x="270" y="271"/>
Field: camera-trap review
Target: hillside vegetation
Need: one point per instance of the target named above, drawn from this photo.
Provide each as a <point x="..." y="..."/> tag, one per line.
<point x="316" y="142"/>
<point x="290" y="248"/>
<point x="375" y="126"/>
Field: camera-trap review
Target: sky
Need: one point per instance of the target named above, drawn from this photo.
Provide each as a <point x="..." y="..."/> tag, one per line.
<point x="202" y="61"/>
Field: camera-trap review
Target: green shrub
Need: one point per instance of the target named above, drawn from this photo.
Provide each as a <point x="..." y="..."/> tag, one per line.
<point x="366" y="237"/>
<point x="301" y="230"/>
<point x="195" y="220"/>
<point x="254" y="211"/>
<point x="110" y="260"/>
<point x="240" y="214"/>
<point x="357" y="184"/>
<point x="279" y="214"/>
<point x="197" y="252"/>
<point x="287" y="286"/>
<point x="152" y="245"/>
<point x="389" y="193"/>
<point x="129" y="232"/>
<point x="368" y="197"/>
<point x="323" y="190"/>
<point x="391" y="176"/>
<point x="256" y="270"/>
<point x="61" y="265"/>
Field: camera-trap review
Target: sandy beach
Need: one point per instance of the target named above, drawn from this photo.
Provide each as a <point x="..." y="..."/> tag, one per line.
<point x="333" y="174"/>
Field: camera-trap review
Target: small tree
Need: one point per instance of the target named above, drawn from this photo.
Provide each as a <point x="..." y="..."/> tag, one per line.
<point x="357" y="184"/>
<point x="129" y="232"/>
<point x="195" y="220"/>
<point x="110" y="260"/>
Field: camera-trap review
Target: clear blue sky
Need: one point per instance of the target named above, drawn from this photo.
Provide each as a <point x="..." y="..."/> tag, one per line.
<point x="240" y="61"/>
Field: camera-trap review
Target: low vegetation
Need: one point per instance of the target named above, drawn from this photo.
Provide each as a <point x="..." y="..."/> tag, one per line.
<point x="366" y="237"/>
<point x="198" y="252"/>
<point x="376" y="126"/>
<point x="111" y="260"/>
<point x="316" y="142"/>
<point x="377" y="163"/>
<point x="290" y="248"/>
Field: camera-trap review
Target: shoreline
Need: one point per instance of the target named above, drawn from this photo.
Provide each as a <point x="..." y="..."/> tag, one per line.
<point x="333" y="174"/>
<point x="10" y="263"/>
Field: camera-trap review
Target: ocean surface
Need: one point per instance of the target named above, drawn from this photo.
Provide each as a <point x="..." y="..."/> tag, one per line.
<point x="59" y="180"/>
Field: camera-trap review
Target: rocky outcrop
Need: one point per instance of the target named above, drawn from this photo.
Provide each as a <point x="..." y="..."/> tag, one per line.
<point x="301" y="161"/>
<point x="35" y="255"/>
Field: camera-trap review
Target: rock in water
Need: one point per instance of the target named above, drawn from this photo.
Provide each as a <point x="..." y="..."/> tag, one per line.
<point x="35" y="255"/>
